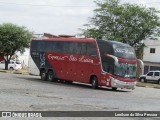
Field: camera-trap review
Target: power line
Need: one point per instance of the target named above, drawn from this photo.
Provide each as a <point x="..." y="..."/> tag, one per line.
<point x="43" y="5"/>
<point x="38" y="5"/>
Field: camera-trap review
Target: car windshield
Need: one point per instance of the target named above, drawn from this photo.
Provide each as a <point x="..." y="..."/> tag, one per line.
<point x="125" y="70"/>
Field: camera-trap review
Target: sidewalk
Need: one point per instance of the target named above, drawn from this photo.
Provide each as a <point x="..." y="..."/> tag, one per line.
<point x="150" y="85"/>
<point x="21" y="71"/>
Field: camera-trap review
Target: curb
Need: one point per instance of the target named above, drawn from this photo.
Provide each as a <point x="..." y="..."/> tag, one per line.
<point x="148" y="86"/>
<point x="3" y="71"/>
<point x="14" y="72"/>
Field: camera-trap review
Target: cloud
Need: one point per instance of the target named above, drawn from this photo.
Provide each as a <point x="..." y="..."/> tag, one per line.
<point x="47" y="16"/>
<point x="52" y="16"/>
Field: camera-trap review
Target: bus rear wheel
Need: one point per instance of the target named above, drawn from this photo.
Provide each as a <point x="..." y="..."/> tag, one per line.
<point x="94" y="82"/>
<point x="43" y="75"/>
<point x="50" y="76"/>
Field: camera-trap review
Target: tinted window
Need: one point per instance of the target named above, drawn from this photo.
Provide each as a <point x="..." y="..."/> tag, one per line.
<point x="75" y="48"/>
<point x="84" y="48"/>
<point x="156" y="74"/>
<point x="91" y="49"/>
<point x="41" y="46"/>
<point x="34" y="45"/>
<point x="150" y="74"/>
<point x="64" y="47"/>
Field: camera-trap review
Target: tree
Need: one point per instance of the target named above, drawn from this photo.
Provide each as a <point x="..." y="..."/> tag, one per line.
<point x="13" y="38"/>
<point x="127" y="23"/>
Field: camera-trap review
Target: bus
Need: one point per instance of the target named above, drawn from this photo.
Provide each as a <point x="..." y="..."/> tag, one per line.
<point x="85" y="60"/>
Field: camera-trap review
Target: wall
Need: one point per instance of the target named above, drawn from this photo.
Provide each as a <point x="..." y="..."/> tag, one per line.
<point x="24" y="57"/>
<point x="152" y="57"/>
<point x="151" y="60"/>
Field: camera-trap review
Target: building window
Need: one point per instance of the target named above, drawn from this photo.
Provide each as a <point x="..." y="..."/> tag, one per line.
<point x="152" y="50"/>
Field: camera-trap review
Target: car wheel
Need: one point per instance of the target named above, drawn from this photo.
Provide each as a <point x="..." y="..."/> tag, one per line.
<point x="94" y="83"/>
<point x="11" y="68"/>
<point x="43" y="75"/>
<point x="142" y="80"/>
<point x="158" y="81"/>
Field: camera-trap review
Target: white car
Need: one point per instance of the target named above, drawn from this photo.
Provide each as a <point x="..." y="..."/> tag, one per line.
<point x="13" y="65"/>
<point x="151" y="76"/>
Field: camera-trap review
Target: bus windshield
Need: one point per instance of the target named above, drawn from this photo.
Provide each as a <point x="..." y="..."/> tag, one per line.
<point x="125" y="70"/>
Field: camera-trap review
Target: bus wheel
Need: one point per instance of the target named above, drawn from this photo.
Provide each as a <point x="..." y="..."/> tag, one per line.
<point x="43" y="75"/>
<point x="94" y="82"/>
<point x="68" y="82"/>
<point x="114" y="88"/>
<point x="50" y="76"/>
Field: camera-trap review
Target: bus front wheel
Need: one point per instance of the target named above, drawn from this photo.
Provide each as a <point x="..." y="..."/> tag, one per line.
<point x="114" y="88"/>
<point x="94" y="82"/>
<point x="43" y="75"/>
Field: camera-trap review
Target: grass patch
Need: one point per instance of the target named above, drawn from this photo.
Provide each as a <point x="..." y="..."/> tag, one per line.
<point x="153" y="85"/>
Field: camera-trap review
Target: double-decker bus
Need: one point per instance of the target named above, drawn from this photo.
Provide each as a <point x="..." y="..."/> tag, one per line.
<point x="96" y="62"/>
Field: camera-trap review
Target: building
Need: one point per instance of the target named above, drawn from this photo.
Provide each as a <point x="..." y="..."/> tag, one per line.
<point x="24" y="57"/>
<point x="151" y="55"/>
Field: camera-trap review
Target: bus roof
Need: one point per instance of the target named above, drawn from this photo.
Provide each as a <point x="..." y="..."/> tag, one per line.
<point x="66" y="39"/>
<point x="114" y="42"/>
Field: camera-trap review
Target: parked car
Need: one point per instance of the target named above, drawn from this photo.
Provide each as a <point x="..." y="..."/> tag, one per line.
<point x="153" y="76"/>
<point x="13" y="65"/>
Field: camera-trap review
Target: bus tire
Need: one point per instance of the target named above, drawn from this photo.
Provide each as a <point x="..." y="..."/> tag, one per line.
<point x="43" y="75"/>
<point x="51" y="76"/>
<point x="114" y="88"/>
<point x="68" y="82"/>
<point x="94" y="82"/>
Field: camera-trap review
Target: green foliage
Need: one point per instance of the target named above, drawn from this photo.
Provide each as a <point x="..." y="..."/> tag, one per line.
<point x="13" y="38"/>
<point x="126" y="23"/>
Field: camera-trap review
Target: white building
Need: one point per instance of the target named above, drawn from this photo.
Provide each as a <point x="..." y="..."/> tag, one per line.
<point x="24" y="57"/>
<point x="151" y="55"/>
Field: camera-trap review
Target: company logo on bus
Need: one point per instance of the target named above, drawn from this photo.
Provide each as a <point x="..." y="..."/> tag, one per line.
<point x="70" y="58"/>
<point x="126" y="51"/>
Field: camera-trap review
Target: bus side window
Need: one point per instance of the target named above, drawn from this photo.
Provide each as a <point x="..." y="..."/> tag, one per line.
<point x="83" y="48"/>
<point x="76" y="48"/>
<point x="49" y="46"/>
<point x="66" y="48"/>
<point x="79" y="47"/>
<point x="41" y="46"/>
<point x="91" y="49"/>
<point x="58" y="47"/>
<point x="34" y="45"/>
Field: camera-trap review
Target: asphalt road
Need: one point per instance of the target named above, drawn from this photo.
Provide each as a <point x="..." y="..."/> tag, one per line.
<point x="28" y="93"/>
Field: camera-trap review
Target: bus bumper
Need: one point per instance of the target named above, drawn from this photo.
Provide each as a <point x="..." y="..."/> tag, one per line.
<point x="121" y="84"/>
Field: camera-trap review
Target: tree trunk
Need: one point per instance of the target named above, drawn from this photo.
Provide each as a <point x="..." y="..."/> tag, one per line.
<point x="6" y="64"/>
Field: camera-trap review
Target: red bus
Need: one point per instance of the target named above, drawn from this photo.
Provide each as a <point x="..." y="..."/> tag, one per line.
<point x="96" y="62"/>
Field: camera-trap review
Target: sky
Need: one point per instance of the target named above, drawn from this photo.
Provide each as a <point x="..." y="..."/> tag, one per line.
<point x="54" y="16"/>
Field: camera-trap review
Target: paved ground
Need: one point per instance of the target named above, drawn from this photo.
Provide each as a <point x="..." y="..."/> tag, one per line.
<point x="26" y="93"/>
